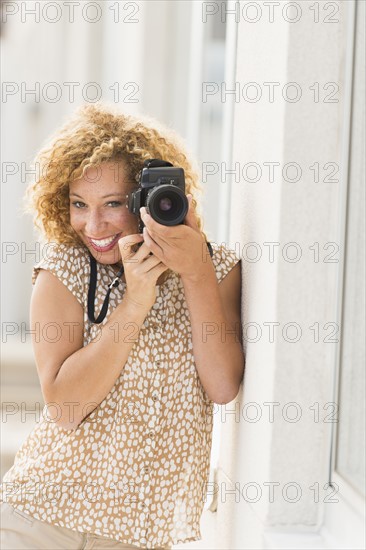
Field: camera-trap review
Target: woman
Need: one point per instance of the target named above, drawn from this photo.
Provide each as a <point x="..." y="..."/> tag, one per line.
<point x="120" y="458"/>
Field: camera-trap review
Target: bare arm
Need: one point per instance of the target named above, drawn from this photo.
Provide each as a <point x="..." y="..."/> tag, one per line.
<point x="73" y="376"/>
<point x="216" y="334"/>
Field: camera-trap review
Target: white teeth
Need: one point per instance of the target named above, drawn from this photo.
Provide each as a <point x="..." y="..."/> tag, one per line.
<point x="103" y="242"/>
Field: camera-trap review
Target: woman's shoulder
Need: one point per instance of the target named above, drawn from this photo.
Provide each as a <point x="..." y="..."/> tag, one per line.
<point x="67" y="262"/>
<point x="64" y="254"/>
<point x="224" y="258"/>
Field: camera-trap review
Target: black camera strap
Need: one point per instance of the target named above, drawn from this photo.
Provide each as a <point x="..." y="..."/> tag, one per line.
<point x="113" y="284"/>
<point x="92" y="289"/>
<point x="209" y="248"/>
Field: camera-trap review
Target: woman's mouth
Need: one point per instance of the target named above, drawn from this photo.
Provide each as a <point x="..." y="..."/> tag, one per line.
<point x="103" y="245"/>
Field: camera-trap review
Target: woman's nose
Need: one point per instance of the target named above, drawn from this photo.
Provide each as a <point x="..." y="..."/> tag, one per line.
<point x="94" y="224"/>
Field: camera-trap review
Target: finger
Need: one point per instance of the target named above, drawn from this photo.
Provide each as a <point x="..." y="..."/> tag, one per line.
<point x="150" y="263"/>
<point x="152" y="244"/>
<point x="125" y="245"/>
<point x="190" y="218"/>
<point x="155" y="229"/>
<point x="143" y="252"/>
<point x="140" y="255"/>
<point x="158" y="267"/>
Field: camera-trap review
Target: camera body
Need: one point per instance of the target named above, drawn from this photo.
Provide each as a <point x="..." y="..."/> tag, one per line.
<point x="162" y="191"/>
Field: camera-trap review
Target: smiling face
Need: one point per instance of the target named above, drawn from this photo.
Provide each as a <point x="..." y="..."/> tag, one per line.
<point x="98" y="211"/>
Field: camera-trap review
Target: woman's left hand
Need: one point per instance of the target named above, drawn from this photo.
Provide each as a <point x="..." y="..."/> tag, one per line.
<point x="180" y="247"/>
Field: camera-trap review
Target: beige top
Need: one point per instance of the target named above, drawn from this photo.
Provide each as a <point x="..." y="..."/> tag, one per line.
<point x="136" y="469"/>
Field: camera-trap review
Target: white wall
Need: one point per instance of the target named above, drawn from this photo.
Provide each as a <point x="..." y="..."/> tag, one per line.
<point x="303" y="292"/>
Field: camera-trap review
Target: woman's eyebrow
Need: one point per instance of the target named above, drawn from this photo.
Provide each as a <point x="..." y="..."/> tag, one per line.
<point x="105" y="196"/>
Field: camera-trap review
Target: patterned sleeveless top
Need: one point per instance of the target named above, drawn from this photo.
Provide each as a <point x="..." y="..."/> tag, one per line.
<point x="136" y="469"/>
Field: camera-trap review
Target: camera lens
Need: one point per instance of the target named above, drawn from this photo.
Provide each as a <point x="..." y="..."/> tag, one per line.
<point x="167" y="204"/>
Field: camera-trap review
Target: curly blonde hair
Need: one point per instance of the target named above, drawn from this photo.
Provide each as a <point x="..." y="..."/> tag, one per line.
<point x="95" y="134"/>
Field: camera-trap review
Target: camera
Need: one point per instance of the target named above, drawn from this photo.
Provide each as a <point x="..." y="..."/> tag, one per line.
<point x="162" y="191"/>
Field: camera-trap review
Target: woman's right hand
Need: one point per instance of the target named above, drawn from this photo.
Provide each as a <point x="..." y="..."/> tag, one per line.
<point x="141" y="269"/>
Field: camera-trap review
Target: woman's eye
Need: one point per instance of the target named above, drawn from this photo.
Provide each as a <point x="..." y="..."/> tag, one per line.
<point x="77" y="203"/>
